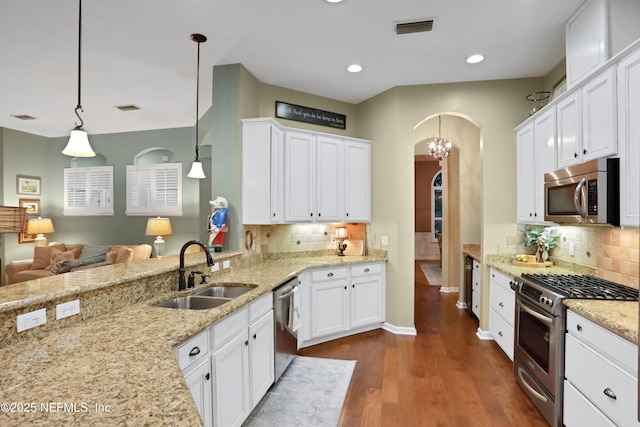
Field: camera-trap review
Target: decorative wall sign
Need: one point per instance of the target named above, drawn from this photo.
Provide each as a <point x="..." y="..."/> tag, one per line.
<point x="310" y="115"/>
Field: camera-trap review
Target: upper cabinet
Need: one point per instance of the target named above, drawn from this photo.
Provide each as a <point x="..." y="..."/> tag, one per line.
<point x="536" y="156"/>
<point x="629" y="138"/>
<point x="597" y="31"/>
<point x="318" y="177"/>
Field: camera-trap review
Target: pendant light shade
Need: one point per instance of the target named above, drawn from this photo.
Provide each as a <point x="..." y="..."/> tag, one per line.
<point x="196" y="168"/>
<point x="78" y="145"/>
<point x="440" y="147"/>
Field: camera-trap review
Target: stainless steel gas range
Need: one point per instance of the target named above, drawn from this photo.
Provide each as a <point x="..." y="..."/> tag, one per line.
<point x="540" y="324"/>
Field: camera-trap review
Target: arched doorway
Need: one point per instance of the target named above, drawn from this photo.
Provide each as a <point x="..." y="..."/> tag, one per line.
<point x="461" y="190"/>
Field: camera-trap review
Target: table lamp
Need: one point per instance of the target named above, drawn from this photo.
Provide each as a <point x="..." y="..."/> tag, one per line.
<point x="158" y="227"/>
<point x="341" y="234"/>
<point x="40" y="227"/>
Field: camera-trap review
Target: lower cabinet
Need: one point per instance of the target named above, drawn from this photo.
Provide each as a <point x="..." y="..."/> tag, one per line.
<point x="502" y="308"/>
<point x="230" y="366"/>
<point x="475" y="289"/>
<point x="601" y="376"/>
<point x="340" y="301"/>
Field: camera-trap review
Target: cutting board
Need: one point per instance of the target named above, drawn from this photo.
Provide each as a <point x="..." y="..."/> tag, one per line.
<point x="354" y="248"/>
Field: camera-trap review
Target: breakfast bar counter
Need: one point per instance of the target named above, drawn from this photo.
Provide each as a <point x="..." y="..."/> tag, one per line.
<point x="119" y="368"/>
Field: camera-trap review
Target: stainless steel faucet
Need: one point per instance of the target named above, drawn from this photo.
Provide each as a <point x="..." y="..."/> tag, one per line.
<point x="182" y="282"/>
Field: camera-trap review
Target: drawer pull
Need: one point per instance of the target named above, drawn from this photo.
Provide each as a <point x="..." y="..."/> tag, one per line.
<point x="255" y="336"/>
<point x="206" y="377"/>
<point x="329" y="274"/>
<point x="579" y="328"/>
<point x="194" y="351"/>
<point x="500" y="333"/>
<point x="501" y="304"/>
<point x="366" y="270"/>
<point x="609" y="393"/>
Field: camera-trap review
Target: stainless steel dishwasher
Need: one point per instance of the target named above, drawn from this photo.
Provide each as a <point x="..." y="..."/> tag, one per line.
<point x="284" y="304"/>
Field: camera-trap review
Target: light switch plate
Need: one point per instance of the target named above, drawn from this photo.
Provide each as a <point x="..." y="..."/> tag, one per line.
<point x="31" y="320"/>
<point x="215" y="267"/>
<point x="66" y="309"/>
<point x="226" y="263"/>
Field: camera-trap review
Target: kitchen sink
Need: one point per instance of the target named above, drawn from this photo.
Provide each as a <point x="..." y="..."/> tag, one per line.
<point x="228" y="291"/>
<point x="194" y="302"/>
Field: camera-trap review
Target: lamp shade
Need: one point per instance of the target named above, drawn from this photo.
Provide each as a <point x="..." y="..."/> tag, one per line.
<point x="341" y="232"/>
<point x="40" y="226"/>
<point x="196" y="171"/>
<point x="78" y="145"/>
<point x="158" y="227"/>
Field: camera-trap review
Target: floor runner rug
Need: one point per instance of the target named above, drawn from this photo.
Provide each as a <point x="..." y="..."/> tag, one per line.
<point x="433" y="273"/>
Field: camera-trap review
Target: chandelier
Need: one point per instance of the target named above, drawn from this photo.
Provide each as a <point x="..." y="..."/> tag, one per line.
<point x="440" y="147"/>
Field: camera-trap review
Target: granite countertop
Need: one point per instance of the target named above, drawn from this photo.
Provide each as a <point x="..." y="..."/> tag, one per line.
<point x="473" y="250"/>
<point x="619" y="317"/>
<point x="119" y="368"/>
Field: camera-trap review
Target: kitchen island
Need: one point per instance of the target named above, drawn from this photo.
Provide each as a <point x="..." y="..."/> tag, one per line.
<point x="119" y="368"/>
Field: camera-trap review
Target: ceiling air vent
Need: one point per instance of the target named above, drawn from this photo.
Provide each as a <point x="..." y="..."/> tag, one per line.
<point x="129" y="107"/>
<point x="23" y="117"/>
<point x="420" y="26"/>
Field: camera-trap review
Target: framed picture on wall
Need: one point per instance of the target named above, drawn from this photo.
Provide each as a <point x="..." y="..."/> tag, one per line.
<point x="32" y="205"/>
<point x="28" y="185"/>
<point x="26" y="238"/>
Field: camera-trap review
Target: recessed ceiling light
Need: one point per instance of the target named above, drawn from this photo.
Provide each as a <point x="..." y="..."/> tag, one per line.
<point x="334" y="1"/>
<point x="474" y="59"/>
<point x="354" y="68"/>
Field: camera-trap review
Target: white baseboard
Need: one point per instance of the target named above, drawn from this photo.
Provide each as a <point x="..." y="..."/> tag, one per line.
<point x="399" y="330"/>
<point x="484" y="335"/>
<point x="448" y="290"/>
<point x="462" y="305"/>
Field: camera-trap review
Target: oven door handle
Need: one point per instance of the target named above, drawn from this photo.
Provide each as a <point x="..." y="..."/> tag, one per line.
<point x="541" y="317"/>
<point x="578" y="201"/>
<point x="539" y="396"/>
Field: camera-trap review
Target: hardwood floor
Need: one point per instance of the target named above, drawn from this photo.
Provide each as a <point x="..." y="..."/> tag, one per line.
<point x="444" y="376"/>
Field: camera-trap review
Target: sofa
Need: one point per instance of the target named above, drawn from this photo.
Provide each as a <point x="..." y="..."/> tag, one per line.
<point x="60" y="258"/>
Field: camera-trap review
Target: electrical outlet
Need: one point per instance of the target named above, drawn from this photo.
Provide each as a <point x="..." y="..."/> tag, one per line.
<point x="31" y="320"/>
<point x="572" y="249"/>
<point x="226" y="263"/>
<point x="384" y="240"/>
<point x="333" y="238"/>
<point x="66" y="309"/>
<point x="215" y="267"/>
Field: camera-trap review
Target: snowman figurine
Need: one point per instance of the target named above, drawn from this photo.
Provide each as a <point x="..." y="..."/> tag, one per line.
<point x="216" y="224"/>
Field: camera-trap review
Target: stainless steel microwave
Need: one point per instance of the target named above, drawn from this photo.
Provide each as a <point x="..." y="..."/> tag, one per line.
<point x="588" y="193"/>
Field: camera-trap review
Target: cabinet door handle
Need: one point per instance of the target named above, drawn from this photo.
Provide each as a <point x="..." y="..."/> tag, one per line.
<point x="345" y="288"/>
<point x="255" y="336"/>
<point x="319" y="214"/>
<point x="501" y="304"/>
<point x="246" y="343"/>
<point x="194" y="351"/>
<point x="584" y="151"/>
<point x="274" y="214"/>
<point x="311" y="214"/>
<point x="329" y="274"/>
<point x="609" y="393"/>
<point x="579" y="328"/>
<point x="500" y="333"/>
<point x="206" y="377"/>
<point x="347" y="213"/>
<point x="575" y="155"/>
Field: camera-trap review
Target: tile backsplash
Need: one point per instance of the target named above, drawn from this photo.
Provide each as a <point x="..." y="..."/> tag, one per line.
<point x="298" y="237"/>
<point x="614" y="252"/>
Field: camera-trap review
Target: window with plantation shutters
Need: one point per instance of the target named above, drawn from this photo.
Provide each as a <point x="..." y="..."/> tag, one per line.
<point x="88" y="191"/>
<point x="154" y="190"/>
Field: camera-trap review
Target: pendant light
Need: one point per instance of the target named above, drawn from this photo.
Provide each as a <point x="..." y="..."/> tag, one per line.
<point x="78" y="145"/>
<point x="440" y="147"/>
<point x="196" y="167"/>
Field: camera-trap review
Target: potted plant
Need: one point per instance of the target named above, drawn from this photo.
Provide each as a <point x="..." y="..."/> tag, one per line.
<point x="540" y="240"/>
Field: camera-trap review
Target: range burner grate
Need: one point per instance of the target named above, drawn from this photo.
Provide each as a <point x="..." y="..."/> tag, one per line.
<point x="584" y="287"/>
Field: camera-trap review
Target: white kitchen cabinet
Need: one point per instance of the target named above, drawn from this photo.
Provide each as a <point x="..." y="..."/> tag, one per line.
<point x="629" y="138"/>
<point x="198" y="380"/>
<point x="599" y="137"/>
<point x="299" y="167"/>
<point x="329" y="178"/>
<point x="502" y="303"/>
<point x="340" y="301"/>
<point x="262" y="171"/>
<point x="536" y="156"/>
<point x="243" y="361"/>
<point x="329" y="301"/>
<point x="601" y="376"/>
<point x="597" y="31"/>
<point x="357" y="167"/>
<point x="367" y="296"/>
<point x="475" y="288"/>
<point x="193" y="359"/>
<point x="569" y="129"/>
